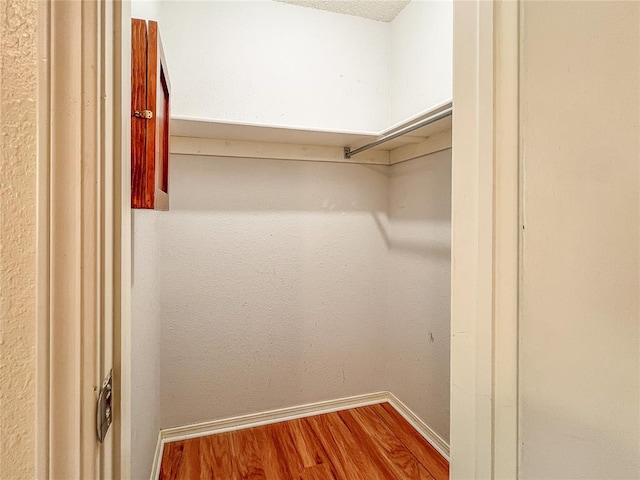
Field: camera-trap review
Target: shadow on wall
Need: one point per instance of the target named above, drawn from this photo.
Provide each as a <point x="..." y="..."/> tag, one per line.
<point x="257" y="185"/>
<point x="418" y="333"/>
<point x="273" y="285"/>
<point x="418" y="198"/>
<point x="274" y="279"/>
<point x="419" y="215"/>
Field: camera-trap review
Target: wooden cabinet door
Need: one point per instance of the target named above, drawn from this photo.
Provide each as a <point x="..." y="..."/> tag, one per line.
<point x="150" y="94"/>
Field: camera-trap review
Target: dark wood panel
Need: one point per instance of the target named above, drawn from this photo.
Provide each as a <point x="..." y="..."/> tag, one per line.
<point x="149" y="136"/>
<point x="153" y="79"/>
<point x="158" y="97"/>
<point x="140" y="195"/>
<point x="366" y="443"/>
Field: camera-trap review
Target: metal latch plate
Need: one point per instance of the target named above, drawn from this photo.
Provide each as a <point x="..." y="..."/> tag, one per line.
<point x="146" y="114"/>
<point x="104" y="412"/>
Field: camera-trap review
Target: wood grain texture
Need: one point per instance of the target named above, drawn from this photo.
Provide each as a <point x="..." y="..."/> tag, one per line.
<point x="428" y="456"/>
<point x="149" y="137"/>
<point x="153" y="67"/>
<point x="139" y="195"/>
<point x="216" y="460"/>
<point x="344" y="452"/>
<point x="247" y="456"/>
<point x="158" y="97"/>
<point x="311" y="452"/>
<point x="318" y="472"/>
<point x="388" y="449"/>
<point x="366" y="443"/>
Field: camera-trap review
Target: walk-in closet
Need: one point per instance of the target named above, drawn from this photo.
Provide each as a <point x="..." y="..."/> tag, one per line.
<point x="302" y="262"/>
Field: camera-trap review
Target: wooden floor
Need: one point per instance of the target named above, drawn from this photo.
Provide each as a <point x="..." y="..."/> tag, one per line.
<point x="366" y="443"/>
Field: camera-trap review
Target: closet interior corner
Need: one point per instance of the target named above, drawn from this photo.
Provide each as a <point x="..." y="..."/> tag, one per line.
<point x="303" y="265"/>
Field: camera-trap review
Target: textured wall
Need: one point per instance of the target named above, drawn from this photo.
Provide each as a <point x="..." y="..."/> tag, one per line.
<point x="381" y="10"/>
<point x="418" y="327"/>
<point x="269" y="62"/>
<point x="579" y="324"/>
<point x="145" y="343"/>
<point x="274" y="285"/>
<point x="18" y="133"/>
<point x="421" y="69"/>
<point x="289" y="65"/>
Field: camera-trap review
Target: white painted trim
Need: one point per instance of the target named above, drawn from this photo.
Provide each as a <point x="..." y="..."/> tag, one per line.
<point x="184" y="124"/>
<point x="415" y="147"/>
<point x="70" y="238"/>
<point x="506" y="239"/>
<point x="214" y="147"/>
<point x="122" y="262"/>
<point x="418" y="116"/>
<point x="202" y="127"/>
<point x="216" y="138"/>
<point x="176" y="434"/>
<point x="82" y="139"/>
<point x="157" y="458"/>
<point x="484" y="283"/>
<point x="436" y="143"/>
<point x="416" y="422"/>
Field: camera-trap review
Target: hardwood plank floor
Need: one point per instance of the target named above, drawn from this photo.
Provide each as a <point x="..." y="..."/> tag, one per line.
<point x="428" y="456"/>
<point x="366" y="443"/>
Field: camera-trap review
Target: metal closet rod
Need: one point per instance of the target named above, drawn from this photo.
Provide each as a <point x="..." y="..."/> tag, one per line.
<point x="348" y="153"/>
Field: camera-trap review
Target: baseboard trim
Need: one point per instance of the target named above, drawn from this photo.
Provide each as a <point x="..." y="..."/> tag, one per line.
<point x="176" y="434"/>
<point x="157" y="458"/>
<point x="272" y="416"/>
<point x="425" y="430"/>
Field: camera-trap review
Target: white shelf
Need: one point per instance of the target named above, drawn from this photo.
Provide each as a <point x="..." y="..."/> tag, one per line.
<point x="219" y="138"/>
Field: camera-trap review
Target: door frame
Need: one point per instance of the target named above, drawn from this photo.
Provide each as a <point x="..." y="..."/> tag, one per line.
<point x="485" y="240"/>
<point x="83" y="236"/>
<point x="91" y="37"/>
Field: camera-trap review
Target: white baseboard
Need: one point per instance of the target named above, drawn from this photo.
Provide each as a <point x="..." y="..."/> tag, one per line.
<point x="157" y="458"/>
<point x="176" y="434"/>
<point x="425" y="430"/>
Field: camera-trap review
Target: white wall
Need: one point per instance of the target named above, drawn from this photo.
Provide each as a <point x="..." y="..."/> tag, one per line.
<point x="269" y="62"/>
<point x="145" y="342"/>
<point x="418" y="328"/>
<point x="579" y="326"/>
<point x="274" y="285"/>
<point x="421" y="73"/>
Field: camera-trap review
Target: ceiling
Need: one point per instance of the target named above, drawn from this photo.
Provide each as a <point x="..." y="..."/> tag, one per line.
<point x="381" y="10"/>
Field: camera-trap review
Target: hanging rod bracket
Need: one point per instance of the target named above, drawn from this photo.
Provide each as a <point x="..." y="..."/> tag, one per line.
<point x="443" y="112"/>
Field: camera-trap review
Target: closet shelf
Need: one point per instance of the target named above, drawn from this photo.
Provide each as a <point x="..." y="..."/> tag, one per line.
<point x="218" y="138"/>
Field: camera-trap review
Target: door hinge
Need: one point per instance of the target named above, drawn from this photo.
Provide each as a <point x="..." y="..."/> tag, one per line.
<point x="146" y="114"/>
<point x="104" y="413"/>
